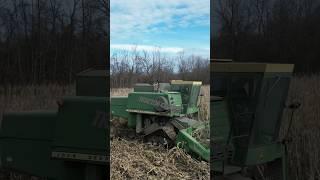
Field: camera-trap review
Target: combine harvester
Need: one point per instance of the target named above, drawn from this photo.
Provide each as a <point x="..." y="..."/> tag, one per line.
<point x="70" y="143"/>
<point x="164" y="114"/>
<point x="246" y="104"/>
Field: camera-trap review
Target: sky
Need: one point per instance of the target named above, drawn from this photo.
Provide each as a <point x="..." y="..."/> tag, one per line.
<point x="170" y="26"/>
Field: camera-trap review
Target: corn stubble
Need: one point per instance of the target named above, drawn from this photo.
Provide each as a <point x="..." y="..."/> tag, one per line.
<point x="136" y="160"/>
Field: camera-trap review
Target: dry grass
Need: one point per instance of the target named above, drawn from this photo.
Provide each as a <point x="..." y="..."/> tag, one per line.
<point x="28" y="98"/>
<point x="120" y="91"/>
<point x="204" y="113"/>
<point x="304" y="150"/>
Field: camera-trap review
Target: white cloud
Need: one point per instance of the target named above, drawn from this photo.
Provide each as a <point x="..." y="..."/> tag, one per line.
<point x="131" y="47"/>
<point x="204" y="52"/>
<point x="136" y="17"/>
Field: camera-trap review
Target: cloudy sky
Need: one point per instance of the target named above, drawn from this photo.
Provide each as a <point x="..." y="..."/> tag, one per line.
<point x="169" y="25"/>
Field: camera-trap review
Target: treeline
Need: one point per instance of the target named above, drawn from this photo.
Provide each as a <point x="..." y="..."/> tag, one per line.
<point x="50" y="40"/>
<point x="129" y="67"/>
<point x="286" y="31"/>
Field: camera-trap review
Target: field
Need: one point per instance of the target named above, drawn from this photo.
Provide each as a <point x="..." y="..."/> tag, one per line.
<point x="134" y="159"/>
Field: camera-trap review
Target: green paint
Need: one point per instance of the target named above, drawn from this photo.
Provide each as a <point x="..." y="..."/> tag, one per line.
<point x="168" y="101"/>
<point x="191" y="145"/>
<point x="247" y="115"/>
<point x="27" y="139"/>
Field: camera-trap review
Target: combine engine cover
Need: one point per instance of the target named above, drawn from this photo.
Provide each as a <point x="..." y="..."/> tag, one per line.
<point x="163" y="104"/>
<point x="80" y="130"/>
<point x="80" y="133"/>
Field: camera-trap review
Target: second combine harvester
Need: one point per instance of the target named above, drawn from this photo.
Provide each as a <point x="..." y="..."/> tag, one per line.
<point x="164" y="114"/>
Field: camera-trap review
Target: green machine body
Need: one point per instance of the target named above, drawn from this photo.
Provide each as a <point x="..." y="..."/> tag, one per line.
<point x="68" y="143"/>
<point x="247" y="102"/>
<point x="164" y="113"/>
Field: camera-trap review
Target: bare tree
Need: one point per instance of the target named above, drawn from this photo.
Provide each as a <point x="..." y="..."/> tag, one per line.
<point x="130" y="67"/>
<point x="41" y="40"/>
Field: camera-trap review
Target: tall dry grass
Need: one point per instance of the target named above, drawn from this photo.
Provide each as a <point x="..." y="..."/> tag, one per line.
<point x="33" y="97"/>
<point x="120" y="91"/>
<point x="304" y="149"/>
<point x="204" y="107"/>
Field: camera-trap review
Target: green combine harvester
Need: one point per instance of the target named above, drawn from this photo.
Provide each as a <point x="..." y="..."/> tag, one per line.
<point x="246" y="104"/>
<point x="70" y="143"/>
<point x="165" y="114"/>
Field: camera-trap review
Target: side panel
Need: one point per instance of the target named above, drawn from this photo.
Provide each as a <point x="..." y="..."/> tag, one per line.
<point x="31" y="157"/>
<point x="25" y="144"/>
<point x="119" y="107"/>
<point x="81" y="127"/>
<point x="166" y="104"/>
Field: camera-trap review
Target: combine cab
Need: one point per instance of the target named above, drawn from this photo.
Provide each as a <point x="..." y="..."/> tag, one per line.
<point x="163" y="114"/>
<point x="247" y="101"/>
<point x="68" y="143"/>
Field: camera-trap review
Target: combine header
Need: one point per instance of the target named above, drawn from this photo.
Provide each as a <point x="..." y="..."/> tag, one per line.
<point x="247" y="101"/>
<point x="164" y="114"/>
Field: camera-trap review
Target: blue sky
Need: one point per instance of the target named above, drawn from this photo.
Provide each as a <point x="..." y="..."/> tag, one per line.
<point x="171" y="26"/>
